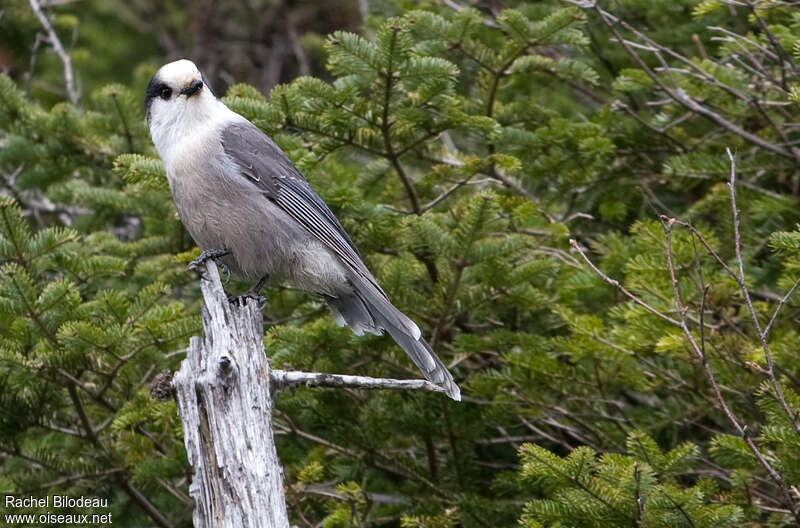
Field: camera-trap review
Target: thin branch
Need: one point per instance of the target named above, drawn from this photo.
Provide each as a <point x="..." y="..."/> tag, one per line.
<point x="87" y="426"/>
<point x="662" y="132"/>
<point x="637" y="475"/>
<point x="770" y="370"/>
<point x="455" y="6"/>
<point x="620" y="287"/>
<point x="739" y="38"/>
<point x="783" y="57"/>
<point x="377" y="460"/>
<point x="385" y="130"/>
<point x="780" y="305"/>
<point x="517" y="187"/>
<point x="28" y="75"/>
<point x="445" y="194"/>
<point x="668" y="224"/>
<point x="682" y="97"/>
<point x="93" y="477"/>
<point x="145" y="504"/>
<point x="98" y="399"/>
<point x="544" y="434"/>
<point x="72" y="92"/>
<point x="507" y="439"/>
<point x="678" y="94"/>
<point x="135" y="495"/>
<point x="125" y="128"/>
<point x="327" y="490"/>
<point x="303" y="62"/>
<point x="282" y="379"/>
<point x="178" y="494"/>
<point x="741" y="429"/>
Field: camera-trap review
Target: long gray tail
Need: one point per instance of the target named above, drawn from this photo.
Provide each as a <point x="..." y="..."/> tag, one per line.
<point x="368" y="310"/>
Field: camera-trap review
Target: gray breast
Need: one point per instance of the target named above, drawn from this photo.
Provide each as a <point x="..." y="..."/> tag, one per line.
<point x="221" y="209"/>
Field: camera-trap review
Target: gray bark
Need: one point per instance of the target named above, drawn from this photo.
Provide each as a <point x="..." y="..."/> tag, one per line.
<point x="224" y="402"/>
<point x="224" y="390"/>
<point x="282" y="379"/>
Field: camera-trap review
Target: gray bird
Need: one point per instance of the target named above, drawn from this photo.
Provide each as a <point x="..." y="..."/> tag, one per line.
<point x="245" y="203"/>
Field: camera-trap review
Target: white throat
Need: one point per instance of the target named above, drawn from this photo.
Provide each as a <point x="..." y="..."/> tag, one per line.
<point x="175" y="122"/>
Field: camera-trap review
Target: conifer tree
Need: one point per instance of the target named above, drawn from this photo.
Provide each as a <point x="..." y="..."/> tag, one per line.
<point x="617" y="380"/>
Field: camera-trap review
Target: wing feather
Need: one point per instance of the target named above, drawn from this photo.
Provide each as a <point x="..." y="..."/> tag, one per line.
<point x="265" y="164"/>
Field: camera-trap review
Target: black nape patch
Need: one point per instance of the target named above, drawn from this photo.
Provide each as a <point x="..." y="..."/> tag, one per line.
<point x="154" y="88"/>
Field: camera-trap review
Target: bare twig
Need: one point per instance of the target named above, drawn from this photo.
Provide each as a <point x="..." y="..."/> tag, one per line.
<point x="72" y="91"/>
<point x="28" y="75"/>
<point x="770" y="369"/>
<point x="303" y="62"/>
<point x="678" y="94"/>
<point x="327" y="490"/>
<point x="544" y="434"/>
<point x="445" y="194"/>
<point x="682" y="97"/>
<point x="662" y="132"/>
<point x="780" y="305"/>
<point x="699" y="349"/>
<point x="620" y="287"/>
<point x="125" y="128"/>
<point x="723" y="404"/>
<point x="783" y="57"/>
<point x="377" y="459"/>
<point x="92" y="477"/>
<point x="283" y="379"/>
<point x="455" y="6"/>
<point x="145" y="504"/>
<point x="700" y="48"/>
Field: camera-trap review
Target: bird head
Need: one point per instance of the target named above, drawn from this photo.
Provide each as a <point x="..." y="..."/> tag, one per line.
<point x="175" y="89"/>
<point x="180" y="107"/>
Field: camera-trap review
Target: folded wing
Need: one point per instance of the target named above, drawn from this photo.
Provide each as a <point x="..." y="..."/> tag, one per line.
<point x="263" y="162"/>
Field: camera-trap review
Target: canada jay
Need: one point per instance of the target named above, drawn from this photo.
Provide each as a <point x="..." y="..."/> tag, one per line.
<point x="244" y="202"/>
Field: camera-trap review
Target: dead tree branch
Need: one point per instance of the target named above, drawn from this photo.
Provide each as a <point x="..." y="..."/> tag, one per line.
<point x="620" y="287"/>
<point x="679" y="95"/>
<point x="699" y="348"/>
<point x="762" y="335"/>
<point x="66" y="61"/>
<point x="226" y="409"/>
<point x="225" y="391"/>
<point x="742" y="429"/>
<point x="289" y="378"/>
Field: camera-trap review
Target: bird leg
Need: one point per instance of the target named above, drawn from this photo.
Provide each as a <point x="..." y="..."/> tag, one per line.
<point x="255" y="290"/>
<point x="252" y="293"/>
<point x="215" y="255"/>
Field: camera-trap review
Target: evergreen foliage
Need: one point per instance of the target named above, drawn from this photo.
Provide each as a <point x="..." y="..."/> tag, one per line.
<point x="463" y="150"/>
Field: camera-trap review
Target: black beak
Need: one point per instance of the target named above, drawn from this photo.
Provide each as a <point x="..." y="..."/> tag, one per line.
<point x="192" y="88"/>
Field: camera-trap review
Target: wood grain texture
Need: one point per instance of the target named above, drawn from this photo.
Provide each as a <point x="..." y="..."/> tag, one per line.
<point x="281" y="379"/>
<point x="224" y="402"/>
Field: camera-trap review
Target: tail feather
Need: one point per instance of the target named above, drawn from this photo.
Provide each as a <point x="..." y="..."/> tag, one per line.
<point x="351" y="311"/>
<point x="368" y="310"/>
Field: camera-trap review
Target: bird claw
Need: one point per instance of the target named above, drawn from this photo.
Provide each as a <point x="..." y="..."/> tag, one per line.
<point x="226" y="270"/>
<point x="242" y="299"/>
<point x="215" y="255"/>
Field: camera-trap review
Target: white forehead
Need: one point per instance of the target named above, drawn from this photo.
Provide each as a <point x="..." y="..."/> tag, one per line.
<point x="178" y="73"/>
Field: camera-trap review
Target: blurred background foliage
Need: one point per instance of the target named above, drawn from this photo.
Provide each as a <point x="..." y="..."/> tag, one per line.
<point x="482" y="155"/>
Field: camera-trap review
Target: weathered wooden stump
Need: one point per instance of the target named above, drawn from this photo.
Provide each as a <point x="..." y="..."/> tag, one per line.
<point x="224" y="401"/>
<point x="224" y="390"/>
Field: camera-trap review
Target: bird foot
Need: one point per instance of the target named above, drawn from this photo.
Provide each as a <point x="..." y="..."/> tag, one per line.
<point x="215" y="255"/>
<point x="240" y="300"/>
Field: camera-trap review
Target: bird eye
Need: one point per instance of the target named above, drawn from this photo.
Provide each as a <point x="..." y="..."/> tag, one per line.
<point x="165" y="93"/>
